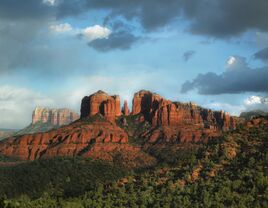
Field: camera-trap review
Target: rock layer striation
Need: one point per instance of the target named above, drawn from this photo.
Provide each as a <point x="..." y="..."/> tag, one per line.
<point x="55" y="117"/>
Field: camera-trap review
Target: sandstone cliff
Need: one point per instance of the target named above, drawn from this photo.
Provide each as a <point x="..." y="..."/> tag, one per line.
<point x="55" y="117"/>
<point x="101" y="103"/>
<point x="162" y="112"/>
<point x="178" y="122"/>
<point x="71" y="140"/>
<point x="125" y="109"/>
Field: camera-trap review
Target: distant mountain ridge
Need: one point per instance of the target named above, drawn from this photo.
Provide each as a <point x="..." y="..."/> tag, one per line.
<point x="4" y="133"/>
<point x="254" y="113"/>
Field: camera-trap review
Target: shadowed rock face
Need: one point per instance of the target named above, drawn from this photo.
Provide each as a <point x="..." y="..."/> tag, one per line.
<point x="101" y="103"/>
<point x="55" y="117"/>
<point x="125" y="109"/>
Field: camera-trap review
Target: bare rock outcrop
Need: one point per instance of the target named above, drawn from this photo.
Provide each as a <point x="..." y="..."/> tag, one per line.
<point x="162" y="112"/>
<point x="125" y="109"/>
<point x="101" y="103"/>
<point x="179" y="122"/>
<point x="71" y="140"/>
<point x="55" y="117"/>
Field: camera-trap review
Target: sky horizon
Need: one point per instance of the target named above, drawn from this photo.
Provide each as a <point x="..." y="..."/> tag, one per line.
<point x="55" y="52"/>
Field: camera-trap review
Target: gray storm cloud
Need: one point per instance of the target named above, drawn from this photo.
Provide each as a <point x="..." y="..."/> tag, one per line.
<point x="22" y="21"/>
<point x="237" y="78"/>
<point x="262" y="54"/>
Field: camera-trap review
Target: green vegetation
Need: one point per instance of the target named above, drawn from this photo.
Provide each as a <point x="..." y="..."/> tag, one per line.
<point x="4" y="158"/>
<point x="66" y="177"/>
<point x="230" y="171"/>
<point x="5" y="133"/>
<point x="134" y="127"/>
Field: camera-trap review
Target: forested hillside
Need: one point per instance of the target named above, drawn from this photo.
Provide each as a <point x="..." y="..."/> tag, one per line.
<point x="230" y="171"/>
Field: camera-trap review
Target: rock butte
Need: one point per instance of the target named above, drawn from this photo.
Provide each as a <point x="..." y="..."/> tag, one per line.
<point x="101" y="103"/>
<point x="56" y="117"/>
<point x="98" y="133"/>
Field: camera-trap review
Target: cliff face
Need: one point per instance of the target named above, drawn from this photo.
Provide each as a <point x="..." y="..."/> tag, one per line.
<point x="178" y="122"/>
<point x="162" y="112"/>
<point x="55" y="117"/>
<point x="101" y="103"/>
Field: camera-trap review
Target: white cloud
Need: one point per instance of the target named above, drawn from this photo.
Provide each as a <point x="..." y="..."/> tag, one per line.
<point x="256" y="103"/>
<point x="61" y="28"/>
<point x="252" y="100"/>
<point x="96" y="32"/>
<point x="89" y="33"/>
<point x="236" y="63"/>
<point x="49" y="2"/>
<point x="231" y="60"/>
<point x="17" y="104"/>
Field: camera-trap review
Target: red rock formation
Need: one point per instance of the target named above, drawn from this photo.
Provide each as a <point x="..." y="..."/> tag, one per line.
<point x="101" y="103"/>
<point x="161" y="112"/>
<point x="144" y="102"/>
<point x="157" y="121"/>
<point x="56" y="117"/>
<point x="71" y="140"/>
<point x="179" y="122"/>
<point x="125" y="109"/>
<point x="99" y="140"/>
<point x="117" y="105"/>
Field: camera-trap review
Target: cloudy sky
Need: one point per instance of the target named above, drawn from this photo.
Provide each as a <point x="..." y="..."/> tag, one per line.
<point x="54" y="52"/>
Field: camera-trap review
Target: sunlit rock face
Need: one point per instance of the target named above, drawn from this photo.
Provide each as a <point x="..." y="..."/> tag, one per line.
<point x="56" y="117"/>
<point x="101" y="103"/>
<point x="162" y="112"/>
<point x="179" y="122"/>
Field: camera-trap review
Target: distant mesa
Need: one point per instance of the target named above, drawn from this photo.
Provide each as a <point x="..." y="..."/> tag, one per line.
<point x="45" y="119"/>
<point x="253" y="114"/>
<point x="53" y="116"/>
